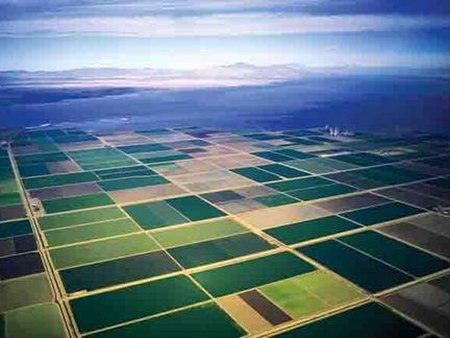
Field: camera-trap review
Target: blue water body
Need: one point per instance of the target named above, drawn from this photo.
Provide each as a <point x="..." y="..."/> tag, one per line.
<point x="373" y="103"/>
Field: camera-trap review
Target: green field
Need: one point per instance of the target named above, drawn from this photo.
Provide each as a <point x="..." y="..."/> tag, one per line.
<point x="102" y="250"/>
<point x="295" y="154"/>
<point x="90" y="231"/>
<point x="80" y="217"/>
<point x="299" y="183"/>
<point x="15" y="228"/>
<point x="310" y="293"/>
<point x="198" y="232"/>
<point x="167" y="158"/>
<point x="94" y="159"/>
<point x="275" y="200"/>
<point x="283" y="171"/>
<point x="122" y="172"/>
<point x="256" y="174"/>
<point x="370" y="321"/>
<point x="275" y="157"/>
<point x="308" y="230"/>
<point x="202" y="321"/>
<point x="122" y="305"/>
<point x="77" y="202"/>
<point x="154" y="215"/>
<point x="398" y="254"/>
<point x="321" y="192"/>
<point x="132" y="182"/>
<point x="194" y="208"/>
<point x="39" y="321"/>
<point x="25" y="291"/>
<point x="10" y="198"/>
<point x="382" y="213"/>
<point x="251" y="273"/>
<point x="391" y="175"/>
<point x="113" y="272"/>
<point x="366" y="272"/>
<point x="219" y="249"/>
<point x="362" y="159"/>
<point x="62" y="179"/>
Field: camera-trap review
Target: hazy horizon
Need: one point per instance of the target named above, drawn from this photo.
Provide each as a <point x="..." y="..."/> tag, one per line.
<point x="257" y="62"/>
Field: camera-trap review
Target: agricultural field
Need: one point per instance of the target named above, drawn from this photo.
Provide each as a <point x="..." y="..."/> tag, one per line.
<point x="192" y="232"/>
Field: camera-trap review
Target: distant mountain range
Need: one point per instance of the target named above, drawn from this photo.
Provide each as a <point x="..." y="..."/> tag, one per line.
<point x="238" y="74"/>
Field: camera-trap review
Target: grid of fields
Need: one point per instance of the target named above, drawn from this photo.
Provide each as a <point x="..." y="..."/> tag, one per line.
<point x="191" y="232"/>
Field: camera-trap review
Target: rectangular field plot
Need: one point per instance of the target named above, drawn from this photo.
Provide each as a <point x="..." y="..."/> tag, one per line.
<point x="300" y="184"/>
<point x="10" y="212"/>
<point x="80" y="217"/>
<point x="77" y="202"/>
<point x="283" y="171"/>
<point x="102" y="250"/>
<point x="425" y="235"/>
<point x="411" y="197"/>
<point x="39" y="321"/>
<point x="364" y="271"/>
<point x="114" y="272"/>
<point x="40" y="158"/>
<point x="26" y="291"/>
<point x="295" y="154"/>
<point x="360" y="182"/>
<point x="272" y="156"/>
<point x="20" y="265"/>
<point x="17" y="245"/>
<point x="321" y="192"/>
<point x="263" y="306"/>
<point x="308" y="230"/>
<point x="15" y="228"/>
<point x="110" y="174"/>
<point x="382" y="213"/>
<point x="133" y="182"/>
<point x="319" y="165"/>
<point x="143" y="148"/>
<point x="247" y="317"/>
<point x="198" y="232"/>
<point x="65" y="191"/>
<point x="161" y="156"/>
<point x="201" y="321"/>
<point x="395" y="253"/>
<point x="370" y="320"/>
<point x="348" y="203"/>
<point x="275" y="200"/>
<point x="101" y="158"/>
<point x="123" y="305"/>
<point x="195" y="208"/>
<point x="256" y="174"/>
<point x="311" y="293"/>
<point x="362" y="159"/>
<point x="10" y="199"/>
<point x="90" y="231"/>
<point x="251" y="273"/>
<point x="390" y="175"/>
<point x="154" y="215"/>
<point x="61" y="179"/>
<point x="426" y="303"/>
<point x="219" y="249"/>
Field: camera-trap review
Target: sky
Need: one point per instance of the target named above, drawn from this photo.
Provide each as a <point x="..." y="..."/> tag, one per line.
<point x="67" y="34"/>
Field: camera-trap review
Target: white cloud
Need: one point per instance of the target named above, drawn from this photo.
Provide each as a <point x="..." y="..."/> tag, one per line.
<point x="217" y="25"/>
